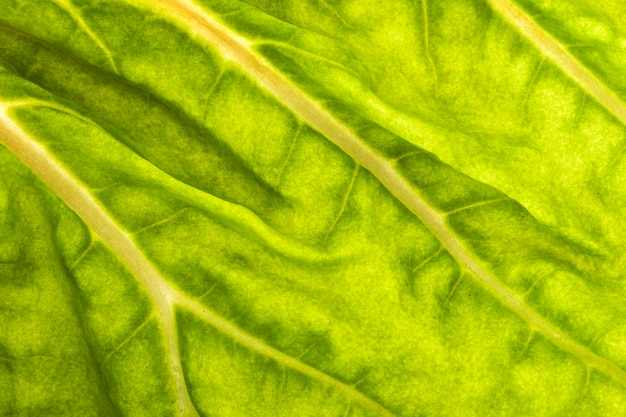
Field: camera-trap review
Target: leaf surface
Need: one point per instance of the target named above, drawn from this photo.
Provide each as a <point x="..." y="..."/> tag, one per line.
<point x="311" y="208"/>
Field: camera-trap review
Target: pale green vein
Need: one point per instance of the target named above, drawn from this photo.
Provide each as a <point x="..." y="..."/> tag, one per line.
<point x="347" y="413"/>
<point x="475" y="205"/>
<point x="82" y="255"/>
<point x="344" y="202"/>
<point x="282" y="168"/>
<point x="127" y="339"/>
<point x="316" y="57"/>
<point x="427" y="40"/>
<point x="534" y="284"/>
<point x="506" y="381"/>
<point x="453" y="290"/>
<point x="428" y="259"/>
<point x="50" y="105"/>
<point x="71" y="10"/>
<point x="408" y="155"/>
<point x="307" y="350"/>
<point x="605" y="331"/>
<point x="582" y="394"/>
<point x="162" y="221"/>
<point x="559" y="55"/>
<point x="207" y="292"/>
<point x="335" y="12"/>
<point x="211" y="90"/>
<point x="530" y="85"/>
<point x="240" y="51"/>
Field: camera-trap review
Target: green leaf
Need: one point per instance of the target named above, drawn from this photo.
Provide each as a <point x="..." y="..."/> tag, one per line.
<point x="312" y="208"/>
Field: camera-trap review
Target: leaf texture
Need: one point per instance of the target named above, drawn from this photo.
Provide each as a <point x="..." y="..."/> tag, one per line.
<point x="312" y="208"/>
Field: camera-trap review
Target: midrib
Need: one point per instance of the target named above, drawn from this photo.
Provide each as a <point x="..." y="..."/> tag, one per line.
<point x="557" y="53"/>
<point x="238" y="50"/>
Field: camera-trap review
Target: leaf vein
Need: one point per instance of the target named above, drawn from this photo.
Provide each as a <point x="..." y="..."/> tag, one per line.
<point x="344" y="202"/>
<point x="71" y="10"/>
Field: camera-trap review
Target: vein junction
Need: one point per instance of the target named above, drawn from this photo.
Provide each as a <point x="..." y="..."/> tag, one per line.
<point x="239" y="51"/>
<point x="165" y="297"/>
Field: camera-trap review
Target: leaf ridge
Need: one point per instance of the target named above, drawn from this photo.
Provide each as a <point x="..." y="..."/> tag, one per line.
<point x="239" y="51"/>
<point x="559" y="55"/>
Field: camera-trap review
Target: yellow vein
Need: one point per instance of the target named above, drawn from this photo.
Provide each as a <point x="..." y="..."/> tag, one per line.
<point x="246" y="221"/>
<point x="239" y="51"/>
<point x="36" y="157"/>
<point x="557" y="53"/>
